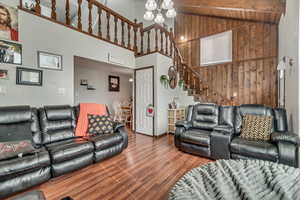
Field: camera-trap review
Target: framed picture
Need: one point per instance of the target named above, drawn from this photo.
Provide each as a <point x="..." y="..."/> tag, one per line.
<point x="113" y="83"/>
<point x="9" y="23"/>
<point x="3" y="74"/>
<point x="84" y="82"/>
<point x="49" y="61"/>
<point x="10" y="52"/>
<point x="27" y="76"/>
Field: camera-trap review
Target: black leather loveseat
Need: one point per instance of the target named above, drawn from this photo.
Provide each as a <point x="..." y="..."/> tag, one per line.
<point x="213" y="131"/>
<point x="57" y="149"/>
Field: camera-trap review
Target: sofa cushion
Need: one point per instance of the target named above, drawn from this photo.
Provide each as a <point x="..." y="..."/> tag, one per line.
<point x="14" y="114"/>
<point x="106" y="141"/>
<point x="257" y="127"/>
<point x="69" y="149"/>
<point x="15" y="132"/>
<point x="63" y="112"/>
<point x="205" y="116"/>
<point x="100" y="124"/>
<point x="196" y="136"/>
<point x="14" y="149"/>
<point x="251" y="109"/>
<point x="37" y="159"/>
<point x="255" y="149"/>
<point x="60" y="126"/>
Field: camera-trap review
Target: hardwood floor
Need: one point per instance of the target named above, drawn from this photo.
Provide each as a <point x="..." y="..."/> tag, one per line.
<point x="147" y="169"/>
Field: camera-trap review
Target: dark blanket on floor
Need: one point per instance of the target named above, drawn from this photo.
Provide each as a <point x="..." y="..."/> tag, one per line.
<point x="239" y="179"/>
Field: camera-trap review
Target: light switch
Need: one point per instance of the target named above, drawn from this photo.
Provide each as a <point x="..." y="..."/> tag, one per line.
<point x="62" y="91"/>
<point x="2" y="90"/>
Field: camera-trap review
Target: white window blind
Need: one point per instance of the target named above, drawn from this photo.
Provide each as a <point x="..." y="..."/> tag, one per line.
<point x="216" y="48"/>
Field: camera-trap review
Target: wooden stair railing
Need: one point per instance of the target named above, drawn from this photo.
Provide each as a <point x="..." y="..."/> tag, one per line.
<point x="158" y="40"/>
<point x="110" y="26"/>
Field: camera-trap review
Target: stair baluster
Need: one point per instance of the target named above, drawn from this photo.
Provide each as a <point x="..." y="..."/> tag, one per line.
<point x="90" y="17"/>
<point x="79" y="24"/>
<point x="167" y="45"/>
<point x="142" y="41"/>
<point x="148" y="41"/>
<point x="53" y="9"/>
<point x="129" y="36"/>
<point x="108" y="26"/>
<point x="99" y="22"/>
<point x="156" y="40"/>
<point x="116" y="30"/>
<point x="135" y="28"/>
<point x="161" y="41"/>
<point x="68" y="21"/>
<point x="38" y="7"/>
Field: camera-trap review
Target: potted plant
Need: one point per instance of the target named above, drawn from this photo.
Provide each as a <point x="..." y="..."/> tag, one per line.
<point x="164" y="80"/>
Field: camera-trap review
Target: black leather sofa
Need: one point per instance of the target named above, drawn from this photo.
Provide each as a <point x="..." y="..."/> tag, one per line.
<point x="58" y="150"/>
<point x="213" y="131"/>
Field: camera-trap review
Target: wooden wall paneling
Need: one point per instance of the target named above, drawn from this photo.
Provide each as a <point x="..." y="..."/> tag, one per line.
<point x="259" y="83"/>
<point x="251" y="77"/>
<point x="241" y="92"/>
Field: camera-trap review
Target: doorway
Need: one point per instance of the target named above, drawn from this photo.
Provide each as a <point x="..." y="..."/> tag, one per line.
<point x="144" y="98"/>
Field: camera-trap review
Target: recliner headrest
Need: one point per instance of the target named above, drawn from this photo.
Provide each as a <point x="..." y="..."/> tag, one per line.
<point x="255" y="109"/>
<point x="63" y="112"/>
<point x="15" y="114"/>
<point x="206" y="109"/>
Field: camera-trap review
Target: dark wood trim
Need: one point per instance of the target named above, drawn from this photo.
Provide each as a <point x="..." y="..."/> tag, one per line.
<point x="153" y="79"/>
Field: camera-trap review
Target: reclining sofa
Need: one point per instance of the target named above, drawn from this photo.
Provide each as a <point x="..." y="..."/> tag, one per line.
<point x="57" y="150"/>
<point x="213" y="131"/>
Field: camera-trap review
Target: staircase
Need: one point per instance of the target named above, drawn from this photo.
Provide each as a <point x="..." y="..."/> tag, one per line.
<point x="107" y="25"/>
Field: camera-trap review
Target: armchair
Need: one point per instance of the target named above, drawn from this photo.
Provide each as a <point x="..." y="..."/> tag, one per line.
<point x="282" y="147"/>
<point x="193" y="135"/>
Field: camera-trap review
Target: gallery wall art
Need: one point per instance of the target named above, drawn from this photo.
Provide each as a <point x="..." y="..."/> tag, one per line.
<point x="10" y="52"/>
<point x="9" y="23"/>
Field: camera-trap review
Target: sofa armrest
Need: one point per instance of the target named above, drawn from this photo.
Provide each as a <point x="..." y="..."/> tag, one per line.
<point x="120" y="128"/>
<point x="118" y="125"/>
<point x="228" y="130"/>
<point x="285" y="137"/>
<point x="185" y="124"/>
<point x="220" y="140"/>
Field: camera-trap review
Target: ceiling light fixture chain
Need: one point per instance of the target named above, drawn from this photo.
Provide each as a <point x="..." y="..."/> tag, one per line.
<point x="155" y="10"/>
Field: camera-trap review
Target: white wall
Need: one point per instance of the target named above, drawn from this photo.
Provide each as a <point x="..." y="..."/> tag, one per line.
<point x="162" y="95"/>
<point x="97" y="75"/>
<point x="288" y="46"/>
<point x="40" y="34"/>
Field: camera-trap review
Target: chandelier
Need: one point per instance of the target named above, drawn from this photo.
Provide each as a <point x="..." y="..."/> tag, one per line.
<point x="155" y="9"/>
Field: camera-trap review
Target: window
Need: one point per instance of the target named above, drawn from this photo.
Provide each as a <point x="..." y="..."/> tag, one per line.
<point x="216" y="48"/>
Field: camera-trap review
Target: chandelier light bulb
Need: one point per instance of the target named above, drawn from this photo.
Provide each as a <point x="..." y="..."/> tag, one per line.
<point x="151" y="5"/>
<point x="149" y="16"/>
<point x="159" y="19"/>
<point x="167" y="4"/>
<point x="171" y="13"/>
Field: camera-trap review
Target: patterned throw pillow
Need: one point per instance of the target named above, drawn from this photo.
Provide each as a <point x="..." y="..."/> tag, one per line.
<point x="256" y="127"/>
<point x="15" y="148"/>
<point x="100" y="124"/>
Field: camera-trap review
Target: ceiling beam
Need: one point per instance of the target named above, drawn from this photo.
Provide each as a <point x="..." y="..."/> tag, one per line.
<point x="263" y="10"/>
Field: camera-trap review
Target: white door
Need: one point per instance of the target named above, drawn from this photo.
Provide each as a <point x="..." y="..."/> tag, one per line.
<point x="144" y="98"/>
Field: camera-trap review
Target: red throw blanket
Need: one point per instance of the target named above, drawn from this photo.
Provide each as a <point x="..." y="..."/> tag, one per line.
<point x="85" y="109"/>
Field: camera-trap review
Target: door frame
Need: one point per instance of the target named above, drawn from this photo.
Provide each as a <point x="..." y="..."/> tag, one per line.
<point x="153" y="85"/>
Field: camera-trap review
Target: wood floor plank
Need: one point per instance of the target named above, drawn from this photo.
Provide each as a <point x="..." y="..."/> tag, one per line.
<point x="147" y="169"/>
